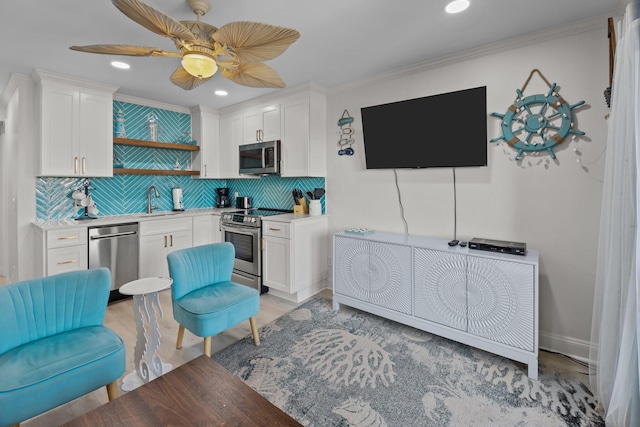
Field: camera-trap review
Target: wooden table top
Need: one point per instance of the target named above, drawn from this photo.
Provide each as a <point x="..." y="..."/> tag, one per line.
<point x="198" y="393"/>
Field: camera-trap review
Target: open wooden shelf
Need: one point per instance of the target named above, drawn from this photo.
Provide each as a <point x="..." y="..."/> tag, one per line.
<point x="155" y="144"/>
<point x="120" y="171"/>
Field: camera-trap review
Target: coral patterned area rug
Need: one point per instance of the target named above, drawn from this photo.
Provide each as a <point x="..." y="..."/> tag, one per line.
<point x="351" y="368"/>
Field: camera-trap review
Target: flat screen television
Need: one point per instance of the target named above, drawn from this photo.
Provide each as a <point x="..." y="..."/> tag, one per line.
<point x="445" y="130"/>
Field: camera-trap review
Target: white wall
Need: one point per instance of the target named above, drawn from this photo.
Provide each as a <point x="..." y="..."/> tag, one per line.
<point x="18" y="178"/>
<point x="553" y="206"/>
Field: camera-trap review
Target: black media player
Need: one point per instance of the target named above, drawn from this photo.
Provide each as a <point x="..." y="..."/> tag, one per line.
<point x="514" y="248"/>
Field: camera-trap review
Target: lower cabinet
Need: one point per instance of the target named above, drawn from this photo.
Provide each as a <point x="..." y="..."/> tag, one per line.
<point x="159" y="238"/>
<point x="206" y="229"/>
<point x="61" y="250"/>
<point x="486" y="300"/>
<point x="294" y="257"/>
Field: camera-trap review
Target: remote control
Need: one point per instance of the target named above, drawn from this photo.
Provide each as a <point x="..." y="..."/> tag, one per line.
<point x="454" y="242"/>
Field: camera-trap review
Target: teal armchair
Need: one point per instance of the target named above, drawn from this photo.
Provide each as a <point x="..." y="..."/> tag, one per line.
<point x="205" y="300"/>
<point x="53" y="345"/>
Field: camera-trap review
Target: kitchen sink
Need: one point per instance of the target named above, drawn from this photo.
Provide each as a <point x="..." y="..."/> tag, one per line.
<point x="156" y="214"/>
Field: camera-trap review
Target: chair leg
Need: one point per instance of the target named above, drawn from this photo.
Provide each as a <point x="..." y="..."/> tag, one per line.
<point x="254" y="331"/>
<point x="112" y="390"/>
<point x="180" y="336"/>
<point x="207" y="346"/>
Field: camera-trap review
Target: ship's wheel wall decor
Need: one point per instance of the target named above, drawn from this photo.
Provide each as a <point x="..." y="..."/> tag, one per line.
<point x="537" y="123"/>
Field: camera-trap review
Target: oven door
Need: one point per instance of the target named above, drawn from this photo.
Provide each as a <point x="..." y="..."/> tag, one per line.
<point x="246" y="241"/>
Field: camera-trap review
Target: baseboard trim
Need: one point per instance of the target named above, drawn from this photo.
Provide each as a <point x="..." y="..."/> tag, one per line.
<point x="572" y="347"/>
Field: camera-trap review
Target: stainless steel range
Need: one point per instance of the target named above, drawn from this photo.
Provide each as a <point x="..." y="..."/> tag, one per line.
<point x="243" y="228"/>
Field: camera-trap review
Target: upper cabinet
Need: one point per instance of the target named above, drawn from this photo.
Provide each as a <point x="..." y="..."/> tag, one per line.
<point x="261" y="124"/>
<point x="76" y="126"/>
<point x="230" y="140"/>
<point x="206" y="130"/>
<point x="297" y="119"/>
<point x="303" y="147"/>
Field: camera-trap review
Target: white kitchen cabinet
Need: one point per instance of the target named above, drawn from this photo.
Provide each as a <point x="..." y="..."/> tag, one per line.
<point x="485" y="300"/>
<point x="62" y="260"/>
<point x="303" y="145"/>
<point x="261" y="124"/>
<point x="294" y="257"/>
<point x="206" y="229"/>
<point x="76" y="127"/>
<point x="230" y="140"/>
<point x="206" y="130"/>
<point x="276" y="264"/>
<point x="61" y="250"/>
<point x="158" y="238"/>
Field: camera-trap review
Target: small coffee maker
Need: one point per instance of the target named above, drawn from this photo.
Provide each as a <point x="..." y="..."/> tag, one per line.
<point x="223" y="200"/>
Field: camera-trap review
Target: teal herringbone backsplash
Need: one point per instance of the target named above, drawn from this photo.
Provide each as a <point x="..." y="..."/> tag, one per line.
<point x="127" y="194"/>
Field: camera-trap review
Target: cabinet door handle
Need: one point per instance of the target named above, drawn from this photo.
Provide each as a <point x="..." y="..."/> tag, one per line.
<point x="68" y="238"/>
<point x="84" y="165"/>
<point x="75" y="165"/>
<point x="71" y="261"/>
<point x="274" y="229"/>
<point x="165" y="241"/>
<point x="262" y="243"/>
<point x="257" y="133"/>
<point x="171" y="240"/>
<point x="205" y="170"/>
<point x="261" y="134"/>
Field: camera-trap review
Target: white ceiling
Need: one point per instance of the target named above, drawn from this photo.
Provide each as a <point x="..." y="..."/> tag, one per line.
<point x="341" y="40"/>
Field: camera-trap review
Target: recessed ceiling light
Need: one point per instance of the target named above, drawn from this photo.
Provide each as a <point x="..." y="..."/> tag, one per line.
<point x="457" y="6"/>
<point x="220" y="92"/>
<point x="121" y="65"/>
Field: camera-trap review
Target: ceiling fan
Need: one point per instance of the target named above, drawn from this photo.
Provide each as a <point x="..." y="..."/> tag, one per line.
<point x="237" y="48"/>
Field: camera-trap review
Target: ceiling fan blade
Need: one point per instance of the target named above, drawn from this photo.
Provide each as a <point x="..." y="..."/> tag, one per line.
<point x="186" y="81"/>
<point x="254" y="41"/>
<point x="123" y="49"/>
<point x="154" y="20"/>
<point x="254" y="74"/>
<point x="202" y="30"/>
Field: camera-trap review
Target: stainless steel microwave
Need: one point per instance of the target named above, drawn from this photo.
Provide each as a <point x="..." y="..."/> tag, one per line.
<point x="260" y="158"/>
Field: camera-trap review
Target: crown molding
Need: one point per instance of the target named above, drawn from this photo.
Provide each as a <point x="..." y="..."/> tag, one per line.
<point x="13" y="83"/>
<point x="549" y="34"/>
<point x="42" y="77"/>
<point x="302" y="89"/>
<point x="149" y="103"/>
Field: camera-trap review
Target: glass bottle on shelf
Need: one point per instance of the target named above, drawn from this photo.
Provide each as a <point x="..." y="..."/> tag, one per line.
<point x="153" y="127"/>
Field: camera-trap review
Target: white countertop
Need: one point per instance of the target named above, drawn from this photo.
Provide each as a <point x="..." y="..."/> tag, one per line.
<point x="140" y="217"/>
<point x="121" y="219"/>
<point x="291" y="217"/>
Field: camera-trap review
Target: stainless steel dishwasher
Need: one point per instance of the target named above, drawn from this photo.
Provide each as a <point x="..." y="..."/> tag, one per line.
<point x="115" y="247"/>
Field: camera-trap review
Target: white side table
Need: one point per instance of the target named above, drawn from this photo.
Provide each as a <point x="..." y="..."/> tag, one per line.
<point x="146" y="306"/>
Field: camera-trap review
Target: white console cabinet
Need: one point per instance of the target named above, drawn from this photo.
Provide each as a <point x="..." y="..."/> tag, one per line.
<point x="483" y="299"/>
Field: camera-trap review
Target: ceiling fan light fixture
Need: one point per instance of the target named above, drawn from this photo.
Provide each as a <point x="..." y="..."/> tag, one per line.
<point x="199" y="65"/>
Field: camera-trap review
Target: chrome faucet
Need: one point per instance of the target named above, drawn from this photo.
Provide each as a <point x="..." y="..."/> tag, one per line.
<point x="150" y="207"/>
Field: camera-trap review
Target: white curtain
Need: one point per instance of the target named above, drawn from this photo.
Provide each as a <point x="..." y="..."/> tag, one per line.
<point x="615" y="333"/>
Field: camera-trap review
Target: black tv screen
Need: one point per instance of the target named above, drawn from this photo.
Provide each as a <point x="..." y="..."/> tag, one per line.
<point x="445" y="130"/>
